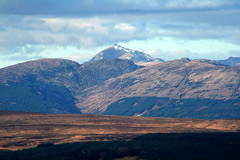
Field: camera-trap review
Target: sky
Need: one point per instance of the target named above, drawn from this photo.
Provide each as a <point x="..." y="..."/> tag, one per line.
<point x="77" y="30"/>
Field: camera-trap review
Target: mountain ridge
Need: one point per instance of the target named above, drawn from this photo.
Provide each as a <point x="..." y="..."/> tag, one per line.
<point x="114" y="86"/>
<point x="231" y="61"/>
<point x="174" y="79"/>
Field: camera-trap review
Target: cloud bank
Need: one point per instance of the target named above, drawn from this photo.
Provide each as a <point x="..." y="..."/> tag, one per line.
<point x="34" y="28"/>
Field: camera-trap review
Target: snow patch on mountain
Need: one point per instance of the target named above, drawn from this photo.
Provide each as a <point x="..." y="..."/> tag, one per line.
<point x="119" y="52"/>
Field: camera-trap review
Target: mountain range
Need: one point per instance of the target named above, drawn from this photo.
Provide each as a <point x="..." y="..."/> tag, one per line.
<point x="115" y="85"/>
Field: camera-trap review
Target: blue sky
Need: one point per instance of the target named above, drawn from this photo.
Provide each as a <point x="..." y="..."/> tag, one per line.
<point x="77" y="30"/>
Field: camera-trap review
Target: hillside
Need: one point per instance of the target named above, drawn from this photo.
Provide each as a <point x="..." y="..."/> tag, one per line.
<point x="39" y="86"/>
<point x="178" y="79"/>
<point x="97" y="72"/>
<point x="50" y="85"/>
<point x="181" y="108"/>
<point x="181" y="88"/>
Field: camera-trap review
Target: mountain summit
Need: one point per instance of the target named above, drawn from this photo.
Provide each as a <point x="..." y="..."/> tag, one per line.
<point x="118" y="52"/>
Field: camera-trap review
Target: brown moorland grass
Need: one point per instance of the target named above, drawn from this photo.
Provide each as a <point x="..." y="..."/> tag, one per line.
<point x="19" y="130"/>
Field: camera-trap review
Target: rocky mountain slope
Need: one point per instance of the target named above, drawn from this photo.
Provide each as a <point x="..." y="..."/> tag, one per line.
<point x="231" y="61"/>
<point x="50" y="85"/>
<point x="179" y="88"/>
<point x="177" y="80"/>
<point x="119" y="52"/>
<point x="97" y="72"/>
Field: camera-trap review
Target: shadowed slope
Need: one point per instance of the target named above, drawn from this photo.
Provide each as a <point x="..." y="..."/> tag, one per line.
<point x="50" y="85"/>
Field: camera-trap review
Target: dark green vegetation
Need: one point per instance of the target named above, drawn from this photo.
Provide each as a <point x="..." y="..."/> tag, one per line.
<point x="51" y="85"/>
<point x="207" y="85"/>
<point x="193" y="89"/>
<point x="36" y="97"/>
<point x="181" y="108"/>
<point x="181" y="146"/>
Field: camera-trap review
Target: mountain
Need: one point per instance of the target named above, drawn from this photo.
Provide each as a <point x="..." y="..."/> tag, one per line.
<point x="179" y="88"/>
<point x="39" y="86"/>
<point x="98" y="71"/>
<point x="119" y="52"/>
<point x="231" y="61"/>
<point x="51" y="85"/>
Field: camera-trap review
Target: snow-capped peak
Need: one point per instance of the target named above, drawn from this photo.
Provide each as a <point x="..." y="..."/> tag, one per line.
<point x="120" y="52"/>
<point x="117" y="47"/>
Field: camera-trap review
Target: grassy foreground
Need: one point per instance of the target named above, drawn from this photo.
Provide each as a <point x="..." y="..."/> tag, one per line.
<point x="19" y="130"/>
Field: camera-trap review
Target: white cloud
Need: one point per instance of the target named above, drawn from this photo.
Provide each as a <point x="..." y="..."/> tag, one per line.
<point x="90" y="25"/>
<point x="169" y="55"/>
<point x="97" y="31"/>
<point x="122" y="21"/>
<point x="80" y="58"/>
<point x="178" y="54"/>
<point x="54" y="24"/>
<point x="125" y="27"/>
